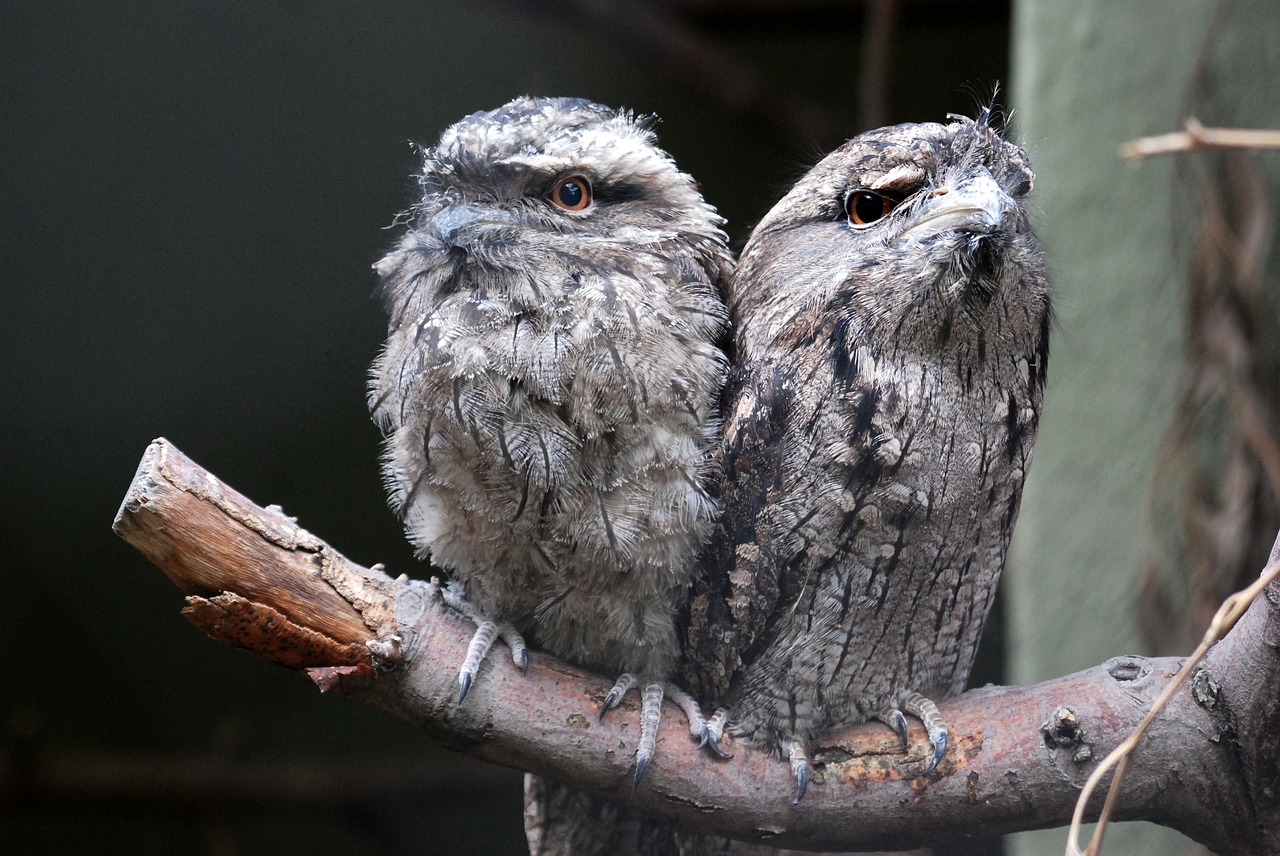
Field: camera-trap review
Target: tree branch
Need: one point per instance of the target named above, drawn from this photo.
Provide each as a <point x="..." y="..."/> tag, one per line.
<point x="1018" y="757"/>
<point x="1197" y="136"/>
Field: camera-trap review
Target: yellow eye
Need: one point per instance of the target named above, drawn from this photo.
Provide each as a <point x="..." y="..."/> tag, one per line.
<point x="865" y="207"/>
<point x="571" y="194"/>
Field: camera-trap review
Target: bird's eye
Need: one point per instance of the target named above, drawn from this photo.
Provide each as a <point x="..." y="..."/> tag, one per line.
<point x="571" y="194"/>
<point x="865" y="207"/>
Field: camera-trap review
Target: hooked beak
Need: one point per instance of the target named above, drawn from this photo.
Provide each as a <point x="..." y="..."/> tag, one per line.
<point x="977" y="204"/>
<point x="461" y="224"/>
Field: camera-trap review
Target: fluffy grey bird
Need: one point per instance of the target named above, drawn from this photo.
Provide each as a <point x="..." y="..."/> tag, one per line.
<point x="548" y="386"/>
<point x="891" y="319"/>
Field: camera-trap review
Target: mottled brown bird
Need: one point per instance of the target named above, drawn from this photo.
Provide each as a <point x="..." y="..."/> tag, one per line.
<point x="891" y="319"/>
<point x="548" y="386"/>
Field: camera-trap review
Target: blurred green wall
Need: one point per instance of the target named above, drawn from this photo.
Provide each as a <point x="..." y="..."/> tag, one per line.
<point x="1086" y="77"/>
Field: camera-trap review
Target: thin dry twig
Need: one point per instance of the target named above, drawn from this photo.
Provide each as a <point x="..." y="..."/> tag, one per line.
<point x="1197" y="136"/>
<point x="1226" y="617"/>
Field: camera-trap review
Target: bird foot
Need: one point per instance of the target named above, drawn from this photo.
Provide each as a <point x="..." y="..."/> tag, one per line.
<point x="651" y="695"/>
<point x="927" y="712"/>
<point x="707" y="731"/>
<point x="487" y="631"/>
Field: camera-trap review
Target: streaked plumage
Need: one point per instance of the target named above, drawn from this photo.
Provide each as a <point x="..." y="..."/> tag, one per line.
<point x="878" y="428"/>
<point x="549" y="382"/>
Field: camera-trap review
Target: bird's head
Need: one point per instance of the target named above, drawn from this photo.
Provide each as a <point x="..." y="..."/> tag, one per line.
<point x="915" y="235"/>
<point x="557" y="180"/>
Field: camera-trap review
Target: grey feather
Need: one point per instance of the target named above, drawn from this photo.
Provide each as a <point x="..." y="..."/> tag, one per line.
<point x="878" y="430"/>
<point x="549" y="383"/>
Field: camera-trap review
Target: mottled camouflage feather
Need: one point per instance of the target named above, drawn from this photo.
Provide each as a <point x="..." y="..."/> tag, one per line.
<point x="548" y="379"/>
<point x="548" y="389"/>
<point x="877" y="435"/>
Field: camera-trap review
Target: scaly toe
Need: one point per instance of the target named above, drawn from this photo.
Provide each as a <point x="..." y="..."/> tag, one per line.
<point x="895" y="719"/>
<point x="802" y="782"/>
<point x="927" y="711"/>
<point x="465" y="680"/>
<point x="799" y="768"/>
<point x="625" y="682"/>
<point x="610" y="702"/>
<point x="642" y="764"/>
<point x="939" y="740"/>
<point x="713" y="731"/>
<point x="711" y="742"/>
<point x="650" y="719"/>
<point x="481" y="642"/>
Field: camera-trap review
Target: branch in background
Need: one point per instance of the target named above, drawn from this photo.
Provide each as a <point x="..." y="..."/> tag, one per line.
<point x="1018" y="759"/>
<point x="1197" y="136"/>
<point x="1218" y="494"/>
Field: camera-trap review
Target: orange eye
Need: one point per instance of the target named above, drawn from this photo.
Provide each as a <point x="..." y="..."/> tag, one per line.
<point x="865" y="207"/>
<point x="571" y="194"/>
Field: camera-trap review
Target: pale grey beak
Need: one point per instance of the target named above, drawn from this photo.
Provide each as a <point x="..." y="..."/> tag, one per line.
<point x="976" y="204"/>
<point x="459" y="225"/>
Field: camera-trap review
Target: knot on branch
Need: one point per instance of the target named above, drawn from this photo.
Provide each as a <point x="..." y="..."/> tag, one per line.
<point x="1128" y="667"/>
<point x="1062" y="730"/>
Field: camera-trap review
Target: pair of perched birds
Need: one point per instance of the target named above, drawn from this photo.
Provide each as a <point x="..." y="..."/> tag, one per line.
<point x="783" y="486"/>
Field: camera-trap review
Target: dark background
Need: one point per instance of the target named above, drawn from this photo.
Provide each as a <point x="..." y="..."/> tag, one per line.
<point x="193" y="197"/>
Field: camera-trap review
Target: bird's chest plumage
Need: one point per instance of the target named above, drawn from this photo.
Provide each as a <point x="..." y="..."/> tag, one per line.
<point x="550" y="452"/>
<point x="910" y="474"/>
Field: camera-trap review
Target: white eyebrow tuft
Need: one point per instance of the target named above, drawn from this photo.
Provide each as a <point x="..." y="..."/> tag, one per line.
<point x="548" y="163"/>
<point x="901" y="175"/>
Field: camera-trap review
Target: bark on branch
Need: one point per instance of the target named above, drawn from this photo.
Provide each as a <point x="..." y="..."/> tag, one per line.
<point x="1209" y="767"/>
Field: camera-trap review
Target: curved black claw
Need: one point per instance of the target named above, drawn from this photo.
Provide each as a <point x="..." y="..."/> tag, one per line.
<point x="710" y="742"/>
<point x="642" y="764"/>
<point x="939" y="741"/>
<point x="899" y="724"/>
<point x="610" y="702"/>
<point x="523" y="661"/>
<point x="464" y="685"/>
<point x="802" y="783"/>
